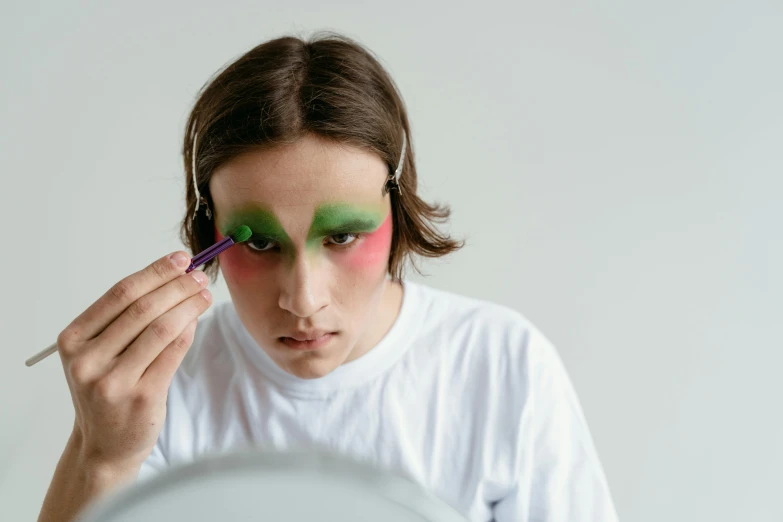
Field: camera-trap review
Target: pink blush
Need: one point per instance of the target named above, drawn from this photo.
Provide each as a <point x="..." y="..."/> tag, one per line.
<point x="373" y="249"/>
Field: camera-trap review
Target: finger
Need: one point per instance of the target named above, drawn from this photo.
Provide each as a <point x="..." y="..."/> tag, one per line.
<point x="159" y="373"/>
<point x="110" y="305"/>
<point x="159" y="335"/>
<point x="144" y="311"/>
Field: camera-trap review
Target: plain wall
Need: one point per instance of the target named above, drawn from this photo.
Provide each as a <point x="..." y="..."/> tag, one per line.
<point x="615" y="168"/>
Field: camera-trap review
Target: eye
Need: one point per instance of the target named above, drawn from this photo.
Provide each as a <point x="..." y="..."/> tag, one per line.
<point x="343" y="239"/>
<point x="259" y="244"/>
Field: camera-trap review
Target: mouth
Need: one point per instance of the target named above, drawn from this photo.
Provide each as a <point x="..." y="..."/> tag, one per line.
<point x="308" y="340"/>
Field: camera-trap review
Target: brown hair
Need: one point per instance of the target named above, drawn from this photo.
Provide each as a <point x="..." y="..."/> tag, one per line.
<point x="329" y="86"/>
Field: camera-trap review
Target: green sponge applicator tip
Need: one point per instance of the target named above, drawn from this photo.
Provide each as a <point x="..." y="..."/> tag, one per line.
<point x="241" y="233"/>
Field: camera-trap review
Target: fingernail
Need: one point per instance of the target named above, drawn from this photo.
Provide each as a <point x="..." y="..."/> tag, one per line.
<point x="206" y="294"/>
<point x="199" y="276"/>
<point x="179" y="259"/>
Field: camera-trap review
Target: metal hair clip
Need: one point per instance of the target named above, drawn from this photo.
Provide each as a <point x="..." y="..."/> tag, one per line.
<point x="393" y="181"/>
<point x="199" y="198"/>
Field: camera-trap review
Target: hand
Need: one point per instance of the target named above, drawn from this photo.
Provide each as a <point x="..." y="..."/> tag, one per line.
<point x="120" y="355"/>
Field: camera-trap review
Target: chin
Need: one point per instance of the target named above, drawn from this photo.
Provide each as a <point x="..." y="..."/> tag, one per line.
<point x="310" y="368"/>
<point x="310" y="364"/>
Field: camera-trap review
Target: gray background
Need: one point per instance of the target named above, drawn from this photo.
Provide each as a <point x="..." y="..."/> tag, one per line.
<point x="616" y="169"/>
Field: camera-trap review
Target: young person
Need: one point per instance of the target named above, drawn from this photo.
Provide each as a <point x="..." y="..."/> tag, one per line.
<point x="324" y="343"/>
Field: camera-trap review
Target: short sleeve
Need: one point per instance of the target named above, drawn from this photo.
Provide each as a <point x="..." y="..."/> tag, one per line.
<point x="563" y="480"/>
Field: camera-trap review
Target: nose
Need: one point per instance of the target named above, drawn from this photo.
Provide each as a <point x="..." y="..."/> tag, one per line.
<point x="304" y="290"/>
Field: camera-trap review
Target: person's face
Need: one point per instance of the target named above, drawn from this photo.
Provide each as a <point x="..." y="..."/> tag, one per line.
<point x="316" y="265"/>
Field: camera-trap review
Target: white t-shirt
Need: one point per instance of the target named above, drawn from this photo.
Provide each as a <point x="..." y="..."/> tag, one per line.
<point x="464" y="396"/>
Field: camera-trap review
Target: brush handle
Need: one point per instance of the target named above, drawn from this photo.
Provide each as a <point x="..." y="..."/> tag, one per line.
<point x="209" y="253"/>
<point x="40" y="356"/>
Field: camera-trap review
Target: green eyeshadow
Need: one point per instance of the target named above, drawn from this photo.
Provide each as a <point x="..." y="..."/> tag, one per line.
<point x="339" y="218"/>
<point x="261" y="222"/>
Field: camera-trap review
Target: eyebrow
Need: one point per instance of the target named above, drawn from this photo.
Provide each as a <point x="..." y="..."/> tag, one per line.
<point x="340" y="218"/>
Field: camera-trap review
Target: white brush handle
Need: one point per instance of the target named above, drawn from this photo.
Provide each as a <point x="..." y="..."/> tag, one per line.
<point x="40" y="356"/>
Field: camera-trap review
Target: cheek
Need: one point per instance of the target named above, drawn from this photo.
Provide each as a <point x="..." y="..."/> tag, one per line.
<point x="239" y="265"/>
<point x="372" y="253"/>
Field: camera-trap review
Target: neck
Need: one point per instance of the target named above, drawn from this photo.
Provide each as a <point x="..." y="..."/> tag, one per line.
<point x="388" y="310"/>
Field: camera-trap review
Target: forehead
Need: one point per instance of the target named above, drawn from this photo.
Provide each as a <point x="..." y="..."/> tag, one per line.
<point x="293" y="180"/>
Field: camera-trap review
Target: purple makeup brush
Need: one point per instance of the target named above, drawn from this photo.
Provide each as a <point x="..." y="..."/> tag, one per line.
<point x="240" y="234"/>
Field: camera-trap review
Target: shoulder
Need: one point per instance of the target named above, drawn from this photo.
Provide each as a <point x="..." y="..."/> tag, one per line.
<point x="483" y="327"/>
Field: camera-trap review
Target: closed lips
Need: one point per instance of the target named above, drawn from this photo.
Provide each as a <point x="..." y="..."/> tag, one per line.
<point x="311" y="336"/>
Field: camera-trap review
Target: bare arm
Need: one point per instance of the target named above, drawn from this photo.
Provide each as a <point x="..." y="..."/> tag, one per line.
<point x="77" y="482"/>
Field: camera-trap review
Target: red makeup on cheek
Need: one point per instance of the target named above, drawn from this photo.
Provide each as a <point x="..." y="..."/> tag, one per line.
<point x="373" y="249"/>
